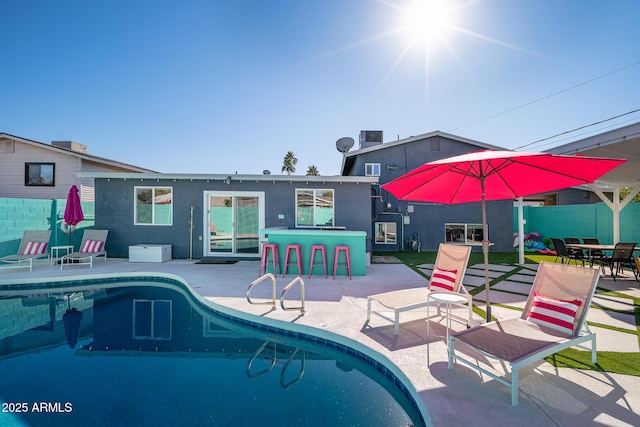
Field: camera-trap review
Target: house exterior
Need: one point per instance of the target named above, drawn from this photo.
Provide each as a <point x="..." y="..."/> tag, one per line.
<point x="401" y="225"/>
<point x="34" y="170"/>
<point x="219" y="215"/>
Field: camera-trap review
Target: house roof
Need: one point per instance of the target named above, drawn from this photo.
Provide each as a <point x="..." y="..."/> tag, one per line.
<point x="83" y="156"/>
<point x="621" y="143"/>
<point x="348" y="158"/>
<point x="233" y="177"/>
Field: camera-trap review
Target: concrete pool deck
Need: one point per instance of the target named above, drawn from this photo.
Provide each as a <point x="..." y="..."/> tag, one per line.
<point x="548" y="395"/>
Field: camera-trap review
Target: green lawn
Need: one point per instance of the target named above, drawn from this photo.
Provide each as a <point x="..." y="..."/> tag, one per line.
<point x="614" y="362"/>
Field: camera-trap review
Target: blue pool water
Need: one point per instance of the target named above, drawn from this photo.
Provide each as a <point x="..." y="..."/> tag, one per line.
<point x="150" y="353"/>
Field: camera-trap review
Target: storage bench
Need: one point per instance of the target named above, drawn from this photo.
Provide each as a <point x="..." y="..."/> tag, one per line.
<point x="149" y="253"/>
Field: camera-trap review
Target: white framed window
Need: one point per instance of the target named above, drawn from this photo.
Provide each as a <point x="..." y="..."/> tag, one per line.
<point x="152" y="319"/>
<point x="464" y="234"/>
<point x="372" y="169"/>
<point x="153" y="206"/>
<point x="386" y="233"/>
<point x="314" y="207"/>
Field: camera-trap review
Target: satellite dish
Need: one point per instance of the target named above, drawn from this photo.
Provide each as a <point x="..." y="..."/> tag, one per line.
<point x="344" y="144"/>
<point x="266" y="172"/>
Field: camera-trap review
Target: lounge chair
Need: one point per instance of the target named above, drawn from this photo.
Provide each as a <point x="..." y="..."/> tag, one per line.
<point x="92" y="246"/>
<point x="541" y="330"/>
<point x="450" y="259"/>
<point x="33" y="246"/>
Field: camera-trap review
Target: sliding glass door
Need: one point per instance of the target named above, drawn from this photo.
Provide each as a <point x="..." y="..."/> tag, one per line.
<point x="233" y="220"/>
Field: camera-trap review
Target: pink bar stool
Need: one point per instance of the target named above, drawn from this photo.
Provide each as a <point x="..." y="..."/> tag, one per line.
<point x="264" y="259"/>
<point x="347" y="265"/>
<point x="287" y="258"/>
<point x="320" y="248"/>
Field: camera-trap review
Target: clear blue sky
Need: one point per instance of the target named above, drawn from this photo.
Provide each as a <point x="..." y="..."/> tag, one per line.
<point x="225" y="86"/>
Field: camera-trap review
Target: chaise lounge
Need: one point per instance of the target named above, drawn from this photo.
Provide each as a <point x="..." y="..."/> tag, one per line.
<point x="32" y="247"/>
<point x="448" y="271"/>
<point x="92" y="246"/>
<point x="553" y="319"/>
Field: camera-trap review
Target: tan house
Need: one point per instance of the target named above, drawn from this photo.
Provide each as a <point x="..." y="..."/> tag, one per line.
<point x="35" y="170"/>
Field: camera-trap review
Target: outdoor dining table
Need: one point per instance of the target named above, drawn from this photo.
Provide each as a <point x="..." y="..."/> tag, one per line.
<point x="592" y="247"/>
<point x="589" y="248"/>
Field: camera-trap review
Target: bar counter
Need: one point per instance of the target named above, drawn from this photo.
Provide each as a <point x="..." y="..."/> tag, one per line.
<point x="355" y="240"/>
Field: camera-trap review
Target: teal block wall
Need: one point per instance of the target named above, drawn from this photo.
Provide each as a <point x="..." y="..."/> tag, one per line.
<point x="592" y="220"/>
<point x="18" y="215"/>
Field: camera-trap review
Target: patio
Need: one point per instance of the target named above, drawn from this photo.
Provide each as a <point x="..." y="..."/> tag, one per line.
<point x="549" y="396"/>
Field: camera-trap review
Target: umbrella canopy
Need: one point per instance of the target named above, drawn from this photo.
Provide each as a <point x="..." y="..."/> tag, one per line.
<point x="73" y="211"/>
<point x="496" y="175"/>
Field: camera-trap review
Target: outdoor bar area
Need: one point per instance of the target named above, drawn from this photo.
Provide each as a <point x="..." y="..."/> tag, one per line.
<point x="356" y="241"/>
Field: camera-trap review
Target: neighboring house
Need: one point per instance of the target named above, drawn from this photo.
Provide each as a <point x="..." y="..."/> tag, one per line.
<point x="401" y="225"/>
<point x="34" y="170"/>
<point x="220" y="215"/>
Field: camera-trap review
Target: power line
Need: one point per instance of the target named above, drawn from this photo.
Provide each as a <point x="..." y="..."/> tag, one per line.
<point x="578" y="128"/>
<point x="548" y="96"/>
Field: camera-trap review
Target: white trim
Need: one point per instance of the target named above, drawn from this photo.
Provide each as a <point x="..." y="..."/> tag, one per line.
<point x="206" y="239"/>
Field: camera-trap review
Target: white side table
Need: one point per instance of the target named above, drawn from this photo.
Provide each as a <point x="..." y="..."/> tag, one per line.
<point x="59" y="251"/>
<point x="446" y="298"/>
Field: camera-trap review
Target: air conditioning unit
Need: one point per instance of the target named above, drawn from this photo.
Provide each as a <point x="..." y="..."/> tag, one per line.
<point x="370" y="138"/>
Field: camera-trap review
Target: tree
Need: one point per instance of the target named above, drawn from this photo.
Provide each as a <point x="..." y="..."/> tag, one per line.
<point x="289" y="164"/>
<point x="313" y="171"/>
<point x="624" y="192"/>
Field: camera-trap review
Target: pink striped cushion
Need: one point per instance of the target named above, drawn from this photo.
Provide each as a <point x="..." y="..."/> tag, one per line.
<point x="92" y="246"/>
<point x="443" y="280"/>
<point x="34" y="248"/>
<point x="554" y="313"/>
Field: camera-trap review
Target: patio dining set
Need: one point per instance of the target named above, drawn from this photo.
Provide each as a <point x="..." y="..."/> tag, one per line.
<point x="617" y="257"/>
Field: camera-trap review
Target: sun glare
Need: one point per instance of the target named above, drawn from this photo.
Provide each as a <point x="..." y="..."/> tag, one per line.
<point x="428" y="21"/>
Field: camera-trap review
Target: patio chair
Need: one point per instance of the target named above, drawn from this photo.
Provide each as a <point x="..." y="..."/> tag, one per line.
<point x="92" y="246"/>
<point x="33" y="246"/>
<point x="621" y="257"/>
<point x="553" y="319"/>
<point x="448" y="271"/>
<point x="563" y="252"/>
<point x="575" y="252"/>
<point x="594" y="254"/>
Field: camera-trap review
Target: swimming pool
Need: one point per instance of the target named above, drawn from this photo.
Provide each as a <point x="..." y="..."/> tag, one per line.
<point x="146" y="351"/>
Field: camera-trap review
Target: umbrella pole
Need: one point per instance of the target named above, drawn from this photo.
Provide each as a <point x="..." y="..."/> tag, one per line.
<point x="485" y="252"/>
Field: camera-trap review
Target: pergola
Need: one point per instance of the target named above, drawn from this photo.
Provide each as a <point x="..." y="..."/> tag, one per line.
<point x="621" y="143"/>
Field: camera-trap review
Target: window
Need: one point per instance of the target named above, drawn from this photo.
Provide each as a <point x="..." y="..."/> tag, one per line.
<point x="314" y="208"/>
<point x="464" y="234"/>
<point x="152" y="319"/>
<point x="153" y="206"/>
<point x="386" y="233"/>
<point x="38" y="174"/>
<point x="372" y="169"/>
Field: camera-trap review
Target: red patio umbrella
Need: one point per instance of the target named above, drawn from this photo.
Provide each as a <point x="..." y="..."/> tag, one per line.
<point x="496" y="175"/>
<point x="72" y="212"/>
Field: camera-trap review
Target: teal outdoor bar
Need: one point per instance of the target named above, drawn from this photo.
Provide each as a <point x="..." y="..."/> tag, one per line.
<point x="355" y="240"/>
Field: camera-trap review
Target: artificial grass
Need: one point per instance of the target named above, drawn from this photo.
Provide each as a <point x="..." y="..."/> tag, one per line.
<point x="608" y="361"/>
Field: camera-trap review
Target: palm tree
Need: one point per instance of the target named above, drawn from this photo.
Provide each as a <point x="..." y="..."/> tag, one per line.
<point x="289" y="163"/>
<point x="313" y="171"/>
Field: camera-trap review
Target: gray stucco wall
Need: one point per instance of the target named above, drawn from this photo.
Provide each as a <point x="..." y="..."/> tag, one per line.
<point x="114" y="210"/>
<point x="429" y="219"/>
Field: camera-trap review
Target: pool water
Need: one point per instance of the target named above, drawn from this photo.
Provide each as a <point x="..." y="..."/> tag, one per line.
<point x="153" y="354"/>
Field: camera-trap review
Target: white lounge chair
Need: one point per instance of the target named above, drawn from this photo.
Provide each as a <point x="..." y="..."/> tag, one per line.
<point x="92" y="246"/>
<point x="553" y="319"/>
<point x="33" y="246"/>
<point x="452" y="261"/>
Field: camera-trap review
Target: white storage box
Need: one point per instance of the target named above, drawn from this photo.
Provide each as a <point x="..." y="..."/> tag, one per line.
<point x="149" y="253"/>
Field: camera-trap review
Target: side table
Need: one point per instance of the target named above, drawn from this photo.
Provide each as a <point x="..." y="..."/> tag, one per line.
<point x="446" y="298"/>
<point x="56" y="253"/>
